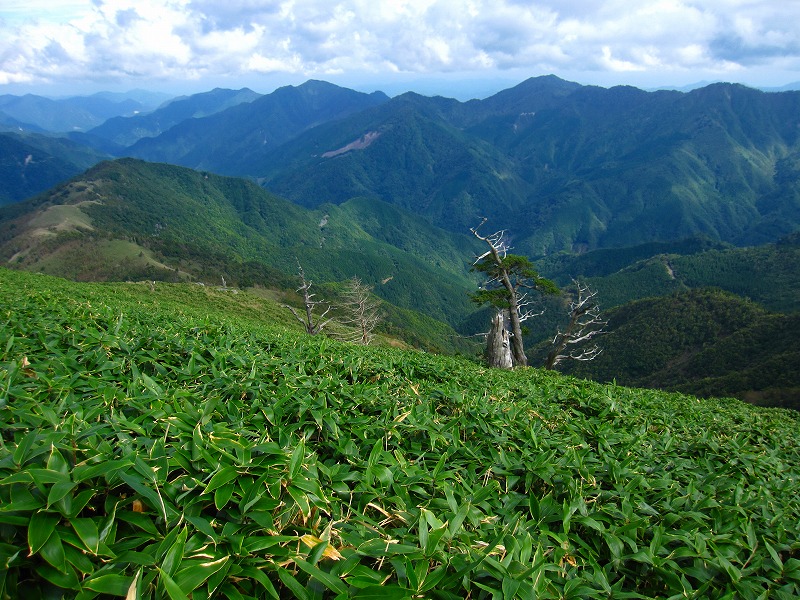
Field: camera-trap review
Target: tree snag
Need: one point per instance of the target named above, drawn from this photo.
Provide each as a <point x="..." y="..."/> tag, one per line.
<point x="311" y="327"/>
<point x="361" y="311"/>
<point x="498" y="344"/>
<point x="584" y="325"/>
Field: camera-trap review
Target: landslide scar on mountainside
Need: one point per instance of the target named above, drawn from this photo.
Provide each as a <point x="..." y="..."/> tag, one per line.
<point x="359" y="144"/>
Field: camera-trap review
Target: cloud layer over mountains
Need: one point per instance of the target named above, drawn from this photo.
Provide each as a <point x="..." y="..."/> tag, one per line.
<point x="136" y="42"/>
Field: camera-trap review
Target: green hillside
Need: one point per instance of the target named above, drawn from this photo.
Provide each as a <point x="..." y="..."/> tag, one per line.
<point x="131" y="220"/>
<point x="768" y="274"/>
<point x="30" y="164"/>
<point x="564" y="167"/>
<point x="703" y="342"/>
<point x="156" y="445"/>
<point x="128" y="219"/>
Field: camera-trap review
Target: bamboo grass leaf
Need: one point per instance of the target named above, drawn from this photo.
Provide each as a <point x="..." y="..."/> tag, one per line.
<point x="331" y="582"/>
<point x="111" y="584"/>
<point x="41" y="528"/>
<point x="173" y="589"/>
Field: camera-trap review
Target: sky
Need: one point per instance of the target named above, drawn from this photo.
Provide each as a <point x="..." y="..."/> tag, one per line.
<point x="456" y="48"/>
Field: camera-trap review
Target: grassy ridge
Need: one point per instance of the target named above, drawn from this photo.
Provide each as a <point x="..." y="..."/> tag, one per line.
<point x="158" y="446"/>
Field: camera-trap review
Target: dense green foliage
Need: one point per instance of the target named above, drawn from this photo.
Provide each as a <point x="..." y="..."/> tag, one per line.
<point x="520" y="274"/>
<point x="155" y="447"/>
<point x="703" y="342"/>
<point x="767" y="274"/>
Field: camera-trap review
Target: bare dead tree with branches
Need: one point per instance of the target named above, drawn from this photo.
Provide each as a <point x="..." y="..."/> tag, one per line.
<point x="361" y="311"/>
<point x="311" y="326"/>
<point x="584" y="325"/>
<point x="510" y="278"/>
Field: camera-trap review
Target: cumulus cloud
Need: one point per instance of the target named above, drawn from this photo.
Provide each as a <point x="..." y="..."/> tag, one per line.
<point x="186" y="39"/>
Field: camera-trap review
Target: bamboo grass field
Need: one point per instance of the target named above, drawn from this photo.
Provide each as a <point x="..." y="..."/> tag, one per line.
<point x="174" y="441"/>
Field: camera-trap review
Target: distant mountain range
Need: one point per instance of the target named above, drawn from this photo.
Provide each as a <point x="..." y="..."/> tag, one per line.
<point x="32" y="113"/>
<point x="563" y="167"/>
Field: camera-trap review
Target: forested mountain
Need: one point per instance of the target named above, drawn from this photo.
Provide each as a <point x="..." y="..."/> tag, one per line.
<point x="568" y="168"/>
<point x="701" y="342"/>
<point x="125" y="131"/>
<point x="32" y="163"/>
<point x="768" y="274"/>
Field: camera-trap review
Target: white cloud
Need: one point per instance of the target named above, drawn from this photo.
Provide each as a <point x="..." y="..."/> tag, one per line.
<point x="183" y="39"/>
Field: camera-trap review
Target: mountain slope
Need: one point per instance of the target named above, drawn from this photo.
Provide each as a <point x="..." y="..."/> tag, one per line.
<point x="153" y="439"/>
<point x="409" y="156"/>
<point x="131" y="219"/>
<point x="702" y="342"/>
<point x="234" y="141"/>
<point x="31" y="163"/>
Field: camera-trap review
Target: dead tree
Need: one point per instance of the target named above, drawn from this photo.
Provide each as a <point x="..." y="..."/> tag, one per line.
<point x="510" y="278"/>
<point x="584" y="325"/>
<point x="498" y="344"/>
<point x="311" y="327"/>
<point x="360" y="310"/>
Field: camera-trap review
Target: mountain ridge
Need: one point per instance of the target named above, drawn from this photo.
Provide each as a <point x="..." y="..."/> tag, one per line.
<point x="562" y="166"/>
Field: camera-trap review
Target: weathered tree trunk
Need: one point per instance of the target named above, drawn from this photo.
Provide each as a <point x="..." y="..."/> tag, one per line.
<point x="498" y="347"/>
<point x="517" y="346"/>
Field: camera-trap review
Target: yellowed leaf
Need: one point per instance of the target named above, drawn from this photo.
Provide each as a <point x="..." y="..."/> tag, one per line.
<point x="329" y="552"/>
<point x="310" y="540"/>
<point x="401" y="418"/>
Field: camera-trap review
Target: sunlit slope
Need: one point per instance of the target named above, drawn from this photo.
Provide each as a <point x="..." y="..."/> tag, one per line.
<point x="154" y="446"/>
<point x="130" y="219"/>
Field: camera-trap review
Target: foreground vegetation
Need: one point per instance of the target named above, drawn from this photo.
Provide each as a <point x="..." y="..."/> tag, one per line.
<point x="157" y="443"/>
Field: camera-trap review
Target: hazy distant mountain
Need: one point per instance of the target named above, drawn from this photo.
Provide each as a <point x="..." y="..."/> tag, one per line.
<point x="237" y="141"/>
<point x="65" y="115"/>
<point x="147" y="99"/>
<point x="789" y="87"/>
<point x="125" y="131"/>
<point x="32" y="163"/>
